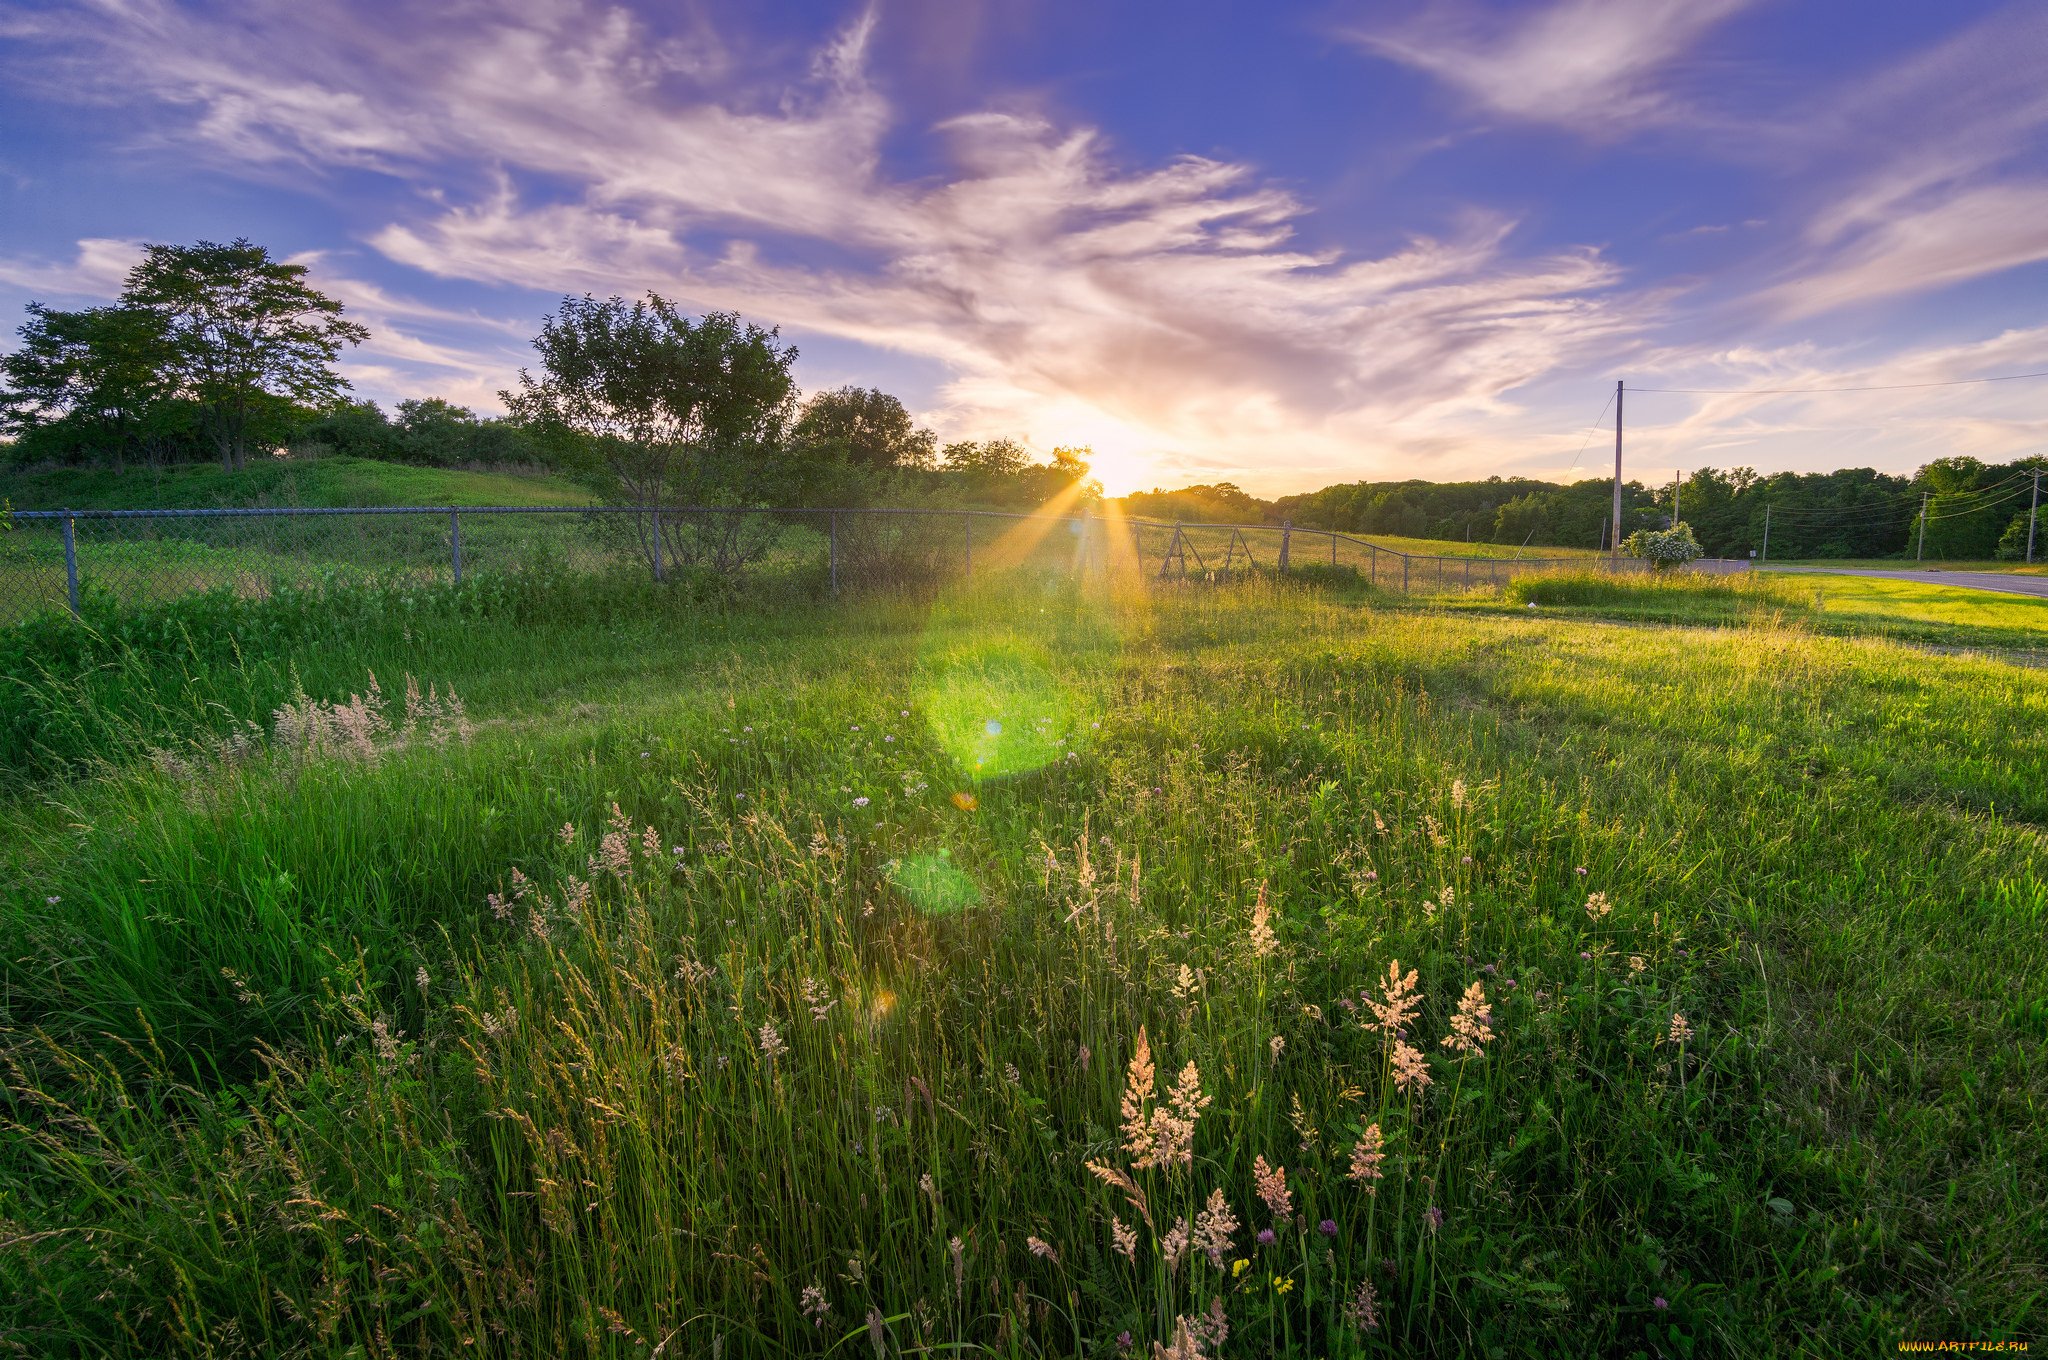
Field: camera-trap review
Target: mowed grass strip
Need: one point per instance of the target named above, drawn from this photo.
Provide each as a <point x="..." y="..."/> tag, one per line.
<point x="368" y="1034"/>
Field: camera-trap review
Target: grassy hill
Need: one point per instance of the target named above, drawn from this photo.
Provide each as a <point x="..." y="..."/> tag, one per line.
<point x="317" y="482"/>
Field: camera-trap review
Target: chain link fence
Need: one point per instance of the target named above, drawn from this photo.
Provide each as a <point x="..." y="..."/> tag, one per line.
<point x="59" y="560"/>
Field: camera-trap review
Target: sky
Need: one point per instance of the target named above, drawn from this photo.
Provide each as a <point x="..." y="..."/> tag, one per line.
<point x="1278" y="244"/>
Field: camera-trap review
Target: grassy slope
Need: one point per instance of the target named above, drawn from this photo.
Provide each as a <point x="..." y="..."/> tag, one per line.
<point x="318" y="482"/>
<point x="1826" y="850"/>
<point x="1856" y="606"/>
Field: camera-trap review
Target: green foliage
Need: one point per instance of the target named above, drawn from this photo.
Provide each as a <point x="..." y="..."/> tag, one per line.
<point x="1218" y="503"/>
<point x="1663" y="548"/>
<point x="332" y="1055"/>
<point x="244" y="337"/>
<point x="863" y="427"/>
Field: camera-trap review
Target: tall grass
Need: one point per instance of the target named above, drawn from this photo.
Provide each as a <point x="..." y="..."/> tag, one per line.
<point x="717" y="1004"/>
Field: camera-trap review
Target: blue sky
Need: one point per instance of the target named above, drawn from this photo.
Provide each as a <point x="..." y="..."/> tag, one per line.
<point x="1283" y="245"/>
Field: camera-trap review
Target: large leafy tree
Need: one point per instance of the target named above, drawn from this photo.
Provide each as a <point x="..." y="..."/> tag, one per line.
<point x="682" y="412"/>
<point x="247" y="337"/>
<point x="864" y="427"/>
<point x="99" y="378"/>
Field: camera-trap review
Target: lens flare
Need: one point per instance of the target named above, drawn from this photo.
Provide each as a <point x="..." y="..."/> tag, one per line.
<point x="934" y="884"/>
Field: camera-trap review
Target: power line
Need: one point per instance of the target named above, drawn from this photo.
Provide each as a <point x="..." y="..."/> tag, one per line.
<point x="1591" y="430"/>
<point x="1879" y="387"/>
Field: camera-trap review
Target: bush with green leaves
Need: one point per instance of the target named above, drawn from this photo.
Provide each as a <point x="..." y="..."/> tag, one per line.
<point x="1663" y="548"/>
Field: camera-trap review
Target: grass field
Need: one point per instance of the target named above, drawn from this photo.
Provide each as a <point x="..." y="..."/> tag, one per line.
<point x="334" y="481"/>
<point x="1856" y="606"/>
<point x="905" y="977"/>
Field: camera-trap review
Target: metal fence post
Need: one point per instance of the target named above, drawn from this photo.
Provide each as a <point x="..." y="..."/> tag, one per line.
<point x="833" y="535"/>
<point x="968" y="519"/>
<point x="455" y="543"/>
<point x="1404" y="575"/>
<point x="71" y="565"/>
<point x="1333" y="548"/>
<point x="656" y="519"/>
<point x="1286" y="534"/>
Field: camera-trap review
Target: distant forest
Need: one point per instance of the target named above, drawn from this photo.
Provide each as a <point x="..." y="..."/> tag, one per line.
<point x="1975" y="510"/>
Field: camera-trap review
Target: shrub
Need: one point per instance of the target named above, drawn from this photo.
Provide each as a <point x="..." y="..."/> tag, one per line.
<point x="1664" y="548"/>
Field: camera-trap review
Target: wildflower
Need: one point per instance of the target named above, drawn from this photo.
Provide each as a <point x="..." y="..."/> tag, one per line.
<point x="1124" y="1238"/>
<point x="1174" y="1246"/>
<point x="1372" y="875"/>
<point x="1238" y="1267"/>
<point x="1214" y="1227"/>
<point x="1362" y="1312"/>
<point x="861" y="801"/>
<point x="1042" y="1250"/>
<point x="1680" y="1029"/>
<point x="814" y="1306"/>
<point x="1636" y="964"/>
<point x="1472" y="1026"/>
<point x="52" y="900"/>
<point x="1433" y="1217"/>
<point x="1264" y="942"/>
<point x="1271" y="1183"/>
<point x="1282" y="1283"/>
<point x="1184" y="1346"/>
<point x="1265" y="1237"/>
<point x="1123" y="1341"/>
<point x="965" y="801"/>
<point x="1660" y="1303"/>
<point x="568" y="833"/>
<point x="1598" y="906"/>
<point x="1328" y="1227"/>
<point x="1368" y="1158"/>
<point x="1276" y="1043"/>
<point x="1401" y="1001"/>
<point x="1409" y="1070"/>
<point x="1215" y="1327"/>
<point x="1580" y="871"/>
<point x="772" y="1046"/>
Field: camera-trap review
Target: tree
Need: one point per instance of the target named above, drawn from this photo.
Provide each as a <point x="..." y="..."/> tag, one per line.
<point x="682" y="412"/>
<point x="989" y="457"/>
<point x="247" y="337"/>
<point x="863" y="427"/>
<point x="101" y="373"/>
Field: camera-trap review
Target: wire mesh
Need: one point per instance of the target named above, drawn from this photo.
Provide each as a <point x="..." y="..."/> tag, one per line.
<point x="53" y="561"/>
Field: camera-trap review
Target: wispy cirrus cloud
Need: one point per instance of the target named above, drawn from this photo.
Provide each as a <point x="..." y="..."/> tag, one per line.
<point x="1601" y="67"/>
<point x="1162" y="309"/>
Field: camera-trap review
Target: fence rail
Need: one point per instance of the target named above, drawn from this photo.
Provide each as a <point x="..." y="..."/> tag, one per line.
<point x="57" y="560"/>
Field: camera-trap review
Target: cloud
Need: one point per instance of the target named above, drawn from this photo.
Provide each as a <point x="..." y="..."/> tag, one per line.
<point x="96" y="273"/>
<point x="1162" y="309"/>
<point x="1599" y="67"/>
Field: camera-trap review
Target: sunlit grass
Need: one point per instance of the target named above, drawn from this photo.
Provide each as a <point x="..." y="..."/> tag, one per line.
<point x="421" y="1047"/>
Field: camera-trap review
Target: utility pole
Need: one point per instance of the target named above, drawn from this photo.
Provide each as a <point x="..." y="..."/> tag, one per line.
<point x="1920" y="553"/>
<point x="2033" y="510"/>
<point x="1677" y="481"/>
<point x="1614" y="537"/>
<point x="1767" y="532"/>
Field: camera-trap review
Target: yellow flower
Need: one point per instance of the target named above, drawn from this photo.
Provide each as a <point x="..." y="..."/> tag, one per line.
<point x="1237" y="1267"/>
<point x="1282" y="1284"/>
<point x="965" y="801"/>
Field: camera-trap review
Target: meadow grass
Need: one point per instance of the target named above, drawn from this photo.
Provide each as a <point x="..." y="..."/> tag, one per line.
<point x="1858" y="606"/>
<point x="318" y="482"/>
<point x="752" y="978"/>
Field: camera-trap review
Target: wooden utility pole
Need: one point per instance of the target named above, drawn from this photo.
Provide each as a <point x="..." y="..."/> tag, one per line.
<point x="1677" y="481"/>
<point x="1614" y="536"/>
<point x="2033" y="510"/>
<point x="1920" y="553"/>
<point x="1767" y="532"/>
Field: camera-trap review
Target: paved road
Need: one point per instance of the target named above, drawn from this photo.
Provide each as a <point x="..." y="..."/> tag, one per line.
<point x="2008" y="583"/>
